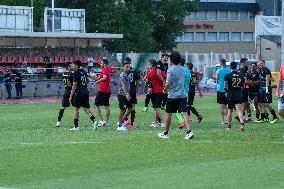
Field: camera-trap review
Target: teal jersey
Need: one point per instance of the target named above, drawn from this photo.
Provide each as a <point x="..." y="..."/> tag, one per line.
<point x="221" y="78"/>
<point x="187" y="80"/>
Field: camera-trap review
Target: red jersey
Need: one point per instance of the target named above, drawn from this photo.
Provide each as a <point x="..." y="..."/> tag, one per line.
<point x="156" y="82"/>
<point x="105" y="85"/>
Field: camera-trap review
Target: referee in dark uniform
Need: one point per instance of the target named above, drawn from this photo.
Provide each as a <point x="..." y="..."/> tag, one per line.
<point x="67" y="81"/>
<point x="79" y="96"/>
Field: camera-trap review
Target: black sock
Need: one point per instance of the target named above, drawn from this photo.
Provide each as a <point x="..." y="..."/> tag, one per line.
<point x="249" y="115"/>
<point x="229" y="126"/>
<point x="76" y="123"/>
<point x="93" y="118"/>
<point x="132" y="117"/>
<point x="166" y="132"/>
<point x="60" y="115"/>
<point x="242" y="124"/>
<point x="125" y="119"/>
<point x="147" y="100"/>
<point x="244" y="113"/>
<point x="266" y="115"/>
<point x="262" y="116"/>
<point x="188" y="131"/>
<point x="257" y="115"/>
<point x="273" y="114"/>
<point x="194" y="111"/>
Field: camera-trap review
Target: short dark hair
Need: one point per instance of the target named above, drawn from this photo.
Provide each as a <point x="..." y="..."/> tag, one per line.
<point x="105" y="61"/>
<point x="182" y="61"/>
<point x="190" y="65"/>
<point x="67" y="64"/>
<point x="153" y="62"/>
<point x="233" y="65"/>
<point x="175" y="57"/>
<point x="223" y="62"/>
<point x="243" y="60"/>
<point x="127" y="59"/>
<point x="262" y="60"/>
<point x="254" y="63"/>
<point x="125" y="62"/>
<point x="164" y="54"/>
<point x="78" y="63"/>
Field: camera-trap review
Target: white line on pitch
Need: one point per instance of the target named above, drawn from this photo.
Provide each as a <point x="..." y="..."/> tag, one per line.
<point x="41" y="143"/>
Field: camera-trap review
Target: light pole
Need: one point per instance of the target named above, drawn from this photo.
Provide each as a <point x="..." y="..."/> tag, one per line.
<point x="52" y="7"/>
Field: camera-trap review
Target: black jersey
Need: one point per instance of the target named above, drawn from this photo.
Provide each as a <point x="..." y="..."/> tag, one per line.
<point x="133" y="78"/>
<point x="81" y="77"/>
<point x="161" y="66"/>
<point x="192" y="82"/>
<point x="262" y="75"/>
<point x="254" y="76"/>
<point x="7" y="78"/>
<point x="235" y="82"/>
<point x="243" y="72"/>
<point x="68" y="80"/>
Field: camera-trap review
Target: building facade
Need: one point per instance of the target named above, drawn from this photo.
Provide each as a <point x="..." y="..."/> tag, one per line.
<point x="223" y="29"/>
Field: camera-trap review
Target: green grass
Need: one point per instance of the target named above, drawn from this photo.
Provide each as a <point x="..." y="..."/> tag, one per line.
<point x="34" y="154"/>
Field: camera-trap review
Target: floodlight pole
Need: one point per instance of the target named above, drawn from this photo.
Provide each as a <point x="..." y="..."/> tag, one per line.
<point x="52" y="7"/>
<point x="282" y="35"/>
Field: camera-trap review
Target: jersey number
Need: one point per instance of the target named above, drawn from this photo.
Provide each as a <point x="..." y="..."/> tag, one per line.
<point x="131" y="77"/>
<point x="236" y="82"/>
<point x="67" y="82"/>
<point x="84" y="80"/>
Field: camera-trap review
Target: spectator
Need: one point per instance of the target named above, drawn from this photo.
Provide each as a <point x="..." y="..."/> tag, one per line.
<point x="48" y="66"/>
<point x="7" y="79"/>
<point x="19" y="84"/>
<point x="90" y="63"/>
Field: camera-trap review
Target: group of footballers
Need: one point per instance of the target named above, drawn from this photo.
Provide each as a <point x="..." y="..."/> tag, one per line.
<point x="173" y="87"/>
<point x="238" y="87"/>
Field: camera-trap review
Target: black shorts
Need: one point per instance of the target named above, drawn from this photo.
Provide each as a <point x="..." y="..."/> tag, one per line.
<point x="65" y="100"/>
<point x="176" y="105"/>
<point x="233" y="99"/>
<point x="190" y="98"/>
<point x="102" y="99"/>
<point x="221" y="98"/>
<point x="265" y="98"/>
<point x="81" y="99"/>
<point x="156" y="99"/>
<point x="123" y="102"/>
<point x="253" y="94"/>
<point x="133" y="96"/>
<point x="245" y="96"/>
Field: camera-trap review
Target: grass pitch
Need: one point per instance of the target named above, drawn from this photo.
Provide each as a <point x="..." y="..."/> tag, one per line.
<point x="34" y="154"/>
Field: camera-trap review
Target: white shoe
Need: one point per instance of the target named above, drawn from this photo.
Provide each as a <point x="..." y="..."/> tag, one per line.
<point x="57" y="124"/>
<point x="162" y="135"/>
<point x="74" y="129"/>
<point x="107" y="124"/>
<point x="162" y="125"/>
<point x="101" y="123"/>
<point x="189" y="136"/>
<point x="121" y="128"/>
<point x="145" y="109"/>
<point x="154" y="124"/>
<point x="222" y="123"/>
<point x="95" y="125"/>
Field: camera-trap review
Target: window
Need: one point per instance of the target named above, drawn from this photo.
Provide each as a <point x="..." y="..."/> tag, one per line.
<point x="212" y="36"/>
<point x="224" y="36"/>
<point x="248" y="36"/>
<point x="212" y="15"/>
<point x="201" y="15"/>
<point x="188" y="37"/>
<point x="190" y="16"/>
<point x="234" y="15"/>
<point x="178" y="39"/>
<point x="236" y="36"/>
<point x="199" y="36"/>
<point x="222" y="15"/>
<point x="244" y="16"/>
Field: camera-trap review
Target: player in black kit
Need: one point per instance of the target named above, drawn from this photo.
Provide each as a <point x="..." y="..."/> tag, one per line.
<point x="234" y="84"/>
<point x="162" y="68"/>
<point x="133" y="78"/>
<point x="80" y="95"/>
<point x="67" y="81"/>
